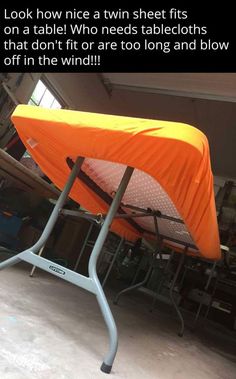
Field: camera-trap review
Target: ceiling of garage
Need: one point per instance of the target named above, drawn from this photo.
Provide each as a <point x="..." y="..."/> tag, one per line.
<point x="206" y="86"/>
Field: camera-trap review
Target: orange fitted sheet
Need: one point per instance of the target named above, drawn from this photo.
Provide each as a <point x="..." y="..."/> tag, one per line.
<point x="172" y="162"/>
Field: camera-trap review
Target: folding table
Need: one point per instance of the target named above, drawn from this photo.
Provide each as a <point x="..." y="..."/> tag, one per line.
<point x="140" y="178"/>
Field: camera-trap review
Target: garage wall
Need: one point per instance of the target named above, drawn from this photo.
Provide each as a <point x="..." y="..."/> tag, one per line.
<point x="20" y="87"/>
<point x="83" y="92"/>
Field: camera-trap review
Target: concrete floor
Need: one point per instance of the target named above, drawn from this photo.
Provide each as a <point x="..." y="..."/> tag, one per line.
<point x="53" y="330"/>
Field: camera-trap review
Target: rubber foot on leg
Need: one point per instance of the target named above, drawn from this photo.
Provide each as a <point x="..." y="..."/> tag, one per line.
<point x="106" y="368"/>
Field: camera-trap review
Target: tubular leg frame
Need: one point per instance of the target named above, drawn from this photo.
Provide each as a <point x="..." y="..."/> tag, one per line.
<point x="90" y="283"/>
<point x="137" y="272"/>
<point x="148" y="274"/>
<point x="181" y="261"/>
<point x="83" y="247"/>
<point x="212" y="297"/>
<point x="112" y="261"/>
<point x="34" y="267"/>
<point x="205" y="289"/>
<point x="161" y="281"/>
<point x="134" y="286"/>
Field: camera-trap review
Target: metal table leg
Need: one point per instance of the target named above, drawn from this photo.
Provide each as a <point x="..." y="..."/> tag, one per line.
<point x="137" y="271"/>
<point x="34" y="267"/>
<point x="148" y="274"/>
<point x="181" y="261"/>
<point x="108" y="317"/>
<point x="83" y="247"/>
<point x="135" y="286"/>
<point x="212" y="297"/>
<point x="205" y="289"/>
<point x="161" y="281"/>
<point x="113" y="261"/>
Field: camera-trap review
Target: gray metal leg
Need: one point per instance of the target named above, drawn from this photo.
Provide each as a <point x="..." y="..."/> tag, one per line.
<point x="112" y="262"/>
<point x="59" y="271"/>
<point x="59" y="204"/>
<point x="205" y="289"/>
<point x="108" y="317"/>
<point x="10" y="262"/>
<point x="52" y="219"/>
<point x="212" y="297"/>
<point x="137" y="271"/>
<point x="83" y="247"/>
<point x="161" y="281"/>
<point x="181" y="261"/>
<point x="34" y="267"/>
<point x="135" y="286"/>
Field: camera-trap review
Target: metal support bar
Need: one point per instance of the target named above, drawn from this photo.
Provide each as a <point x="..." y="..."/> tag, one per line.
<point x="83" y="247"/>
<point x="210" y="276"/>
<point x="159" y="239"/>
<point x="134" y="215"/>
<point x="137" y="271"/>
<point x="135" y="208"/>
<point x="97" y="218"/>
<point x="151" y="212"/>
<point x="181" y="261"/>
<point x="182" y="244"/>
<point x="212" y="296"/>
<point x="159" y="245"/>
<point x="156" y="227"/>
<point x="59" y="271"/>
<point x="161" y="281"/>
<point x="34" y="267"/>
<point x="59" y="204"/>
<point x="184" y="273"/>
<point x="205" y="289"/>
<point x="113" y="261"/>
<point x="81" y="214"/>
